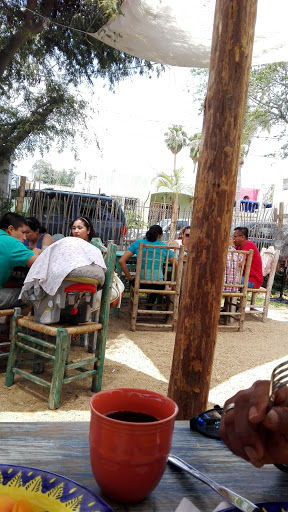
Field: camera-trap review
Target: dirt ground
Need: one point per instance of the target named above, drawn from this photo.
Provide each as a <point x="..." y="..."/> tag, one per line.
<point x="143" y="359"/>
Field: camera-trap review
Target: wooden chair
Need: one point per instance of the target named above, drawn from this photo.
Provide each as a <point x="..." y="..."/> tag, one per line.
<point x="5" y="344"/>
<point x="235" y="293"/>
<point x="58" y="352"/>
<point x="262" y="310"/>
<point x="157" y="256"/>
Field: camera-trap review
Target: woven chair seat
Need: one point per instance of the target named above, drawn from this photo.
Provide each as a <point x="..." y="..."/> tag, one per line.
<point x="51" y="330"/>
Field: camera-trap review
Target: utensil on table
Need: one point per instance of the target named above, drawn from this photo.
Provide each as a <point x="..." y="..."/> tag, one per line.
<point x="279" y="378"/>
<point x="231" y="496"/>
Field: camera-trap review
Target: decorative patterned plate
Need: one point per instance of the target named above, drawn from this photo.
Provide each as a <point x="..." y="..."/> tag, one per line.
<point x="48" y="491"/>
<point x="267" y="506"/>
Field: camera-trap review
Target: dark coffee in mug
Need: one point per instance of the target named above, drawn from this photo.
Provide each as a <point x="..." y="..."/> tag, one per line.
<point x="131" y="416"/>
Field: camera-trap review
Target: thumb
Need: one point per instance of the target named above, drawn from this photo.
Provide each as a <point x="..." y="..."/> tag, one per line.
<point x="277" y="420"/>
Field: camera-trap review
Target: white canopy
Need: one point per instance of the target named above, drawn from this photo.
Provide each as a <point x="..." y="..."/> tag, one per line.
<point x="179" y="32"/>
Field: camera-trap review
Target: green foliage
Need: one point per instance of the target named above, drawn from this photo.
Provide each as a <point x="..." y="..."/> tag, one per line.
<point x="67" y="178"/>
<point x="43" y="172"/>
<point x="268" y="92"/>
<point x="134" y="218"/>
<point x="46" y="54"/>
<point x="194" y="145"/>
<point x="269" y="195"/>
<point x="6" y="204"/>
<point x="172" y="182"/>
<point x="176" y="138"/>
<point x="267" y="104"/>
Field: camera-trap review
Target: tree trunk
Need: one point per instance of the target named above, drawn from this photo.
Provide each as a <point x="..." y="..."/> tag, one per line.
<point x="20" y="200"/>
<point x="5" y="180"/>
<point x="225" y="104"/>
<point x="174" y="218"/>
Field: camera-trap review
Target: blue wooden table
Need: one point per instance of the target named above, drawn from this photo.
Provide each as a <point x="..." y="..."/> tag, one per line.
<point x="64" y="448"/>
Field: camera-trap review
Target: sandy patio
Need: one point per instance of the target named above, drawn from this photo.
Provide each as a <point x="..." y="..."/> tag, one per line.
<point x="143" y="359"/>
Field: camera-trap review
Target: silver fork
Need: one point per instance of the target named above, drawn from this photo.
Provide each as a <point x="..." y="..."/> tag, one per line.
<point x="279" y="378"/>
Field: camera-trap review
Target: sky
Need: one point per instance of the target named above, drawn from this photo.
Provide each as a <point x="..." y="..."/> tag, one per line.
<point x="130" y="125"/>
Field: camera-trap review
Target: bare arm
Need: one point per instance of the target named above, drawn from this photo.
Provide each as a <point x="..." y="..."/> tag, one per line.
<point x="47" y="240"/>
<point x="173" y="260"/>
<point x="32" y="259"/>
<point x="122" y="262"/>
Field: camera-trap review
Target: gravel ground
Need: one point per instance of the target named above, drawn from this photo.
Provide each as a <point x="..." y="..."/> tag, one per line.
<point x="143" y="359"/>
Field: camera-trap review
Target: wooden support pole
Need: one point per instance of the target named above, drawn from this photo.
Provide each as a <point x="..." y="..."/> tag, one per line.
<point x="20" y="200"/>
<point x="281" y="217"/>
<point x="225" y="104"/>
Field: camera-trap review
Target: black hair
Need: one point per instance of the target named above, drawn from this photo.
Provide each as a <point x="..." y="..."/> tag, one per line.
<point x="243" y="230"/>
<point x="34" y="224"/>
<point x="153" y="233"/>
<point x="12" y="219"/>
<point x="88" y="224"/>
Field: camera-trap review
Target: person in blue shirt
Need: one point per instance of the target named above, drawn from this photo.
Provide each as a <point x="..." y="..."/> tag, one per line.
<point x="13" y="253"/>
<point x="152" y="237"/>
<point x="36" y="236"/>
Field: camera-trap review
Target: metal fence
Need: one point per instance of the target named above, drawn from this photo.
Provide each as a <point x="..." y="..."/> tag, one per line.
<point x="126" y="221"/>
<point x="56" y="210"/>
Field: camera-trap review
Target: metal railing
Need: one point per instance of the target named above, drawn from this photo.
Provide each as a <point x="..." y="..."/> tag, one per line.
<point x="264" y="224"/>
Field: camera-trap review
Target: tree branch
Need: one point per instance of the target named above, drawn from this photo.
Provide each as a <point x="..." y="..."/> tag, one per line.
<point x="25" y="32"/>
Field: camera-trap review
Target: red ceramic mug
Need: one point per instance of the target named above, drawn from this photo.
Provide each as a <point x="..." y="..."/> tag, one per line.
<point x="128" y="458"/>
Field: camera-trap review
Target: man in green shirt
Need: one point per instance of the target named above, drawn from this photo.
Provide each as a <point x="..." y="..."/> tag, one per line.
<point x="13" y="253"/>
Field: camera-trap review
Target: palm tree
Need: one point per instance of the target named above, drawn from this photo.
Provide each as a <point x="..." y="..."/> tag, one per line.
<point x="176" y="139"/>
<point x="194" y="145"/>
<point x="172" y="183"/>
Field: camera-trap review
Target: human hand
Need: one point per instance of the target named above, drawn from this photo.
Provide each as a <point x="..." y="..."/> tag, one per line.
<point x="37" y="251"/>
<point x="252" y="433"/>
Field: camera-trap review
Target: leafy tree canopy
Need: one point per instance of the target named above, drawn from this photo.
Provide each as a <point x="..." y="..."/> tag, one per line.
<point x="43" y="171"/>
<point x="45" y="54"/>
<point x="267" y="102"/>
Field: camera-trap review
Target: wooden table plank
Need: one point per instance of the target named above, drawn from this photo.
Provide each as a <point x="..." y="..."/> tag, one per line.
<point x="64" y="448"/>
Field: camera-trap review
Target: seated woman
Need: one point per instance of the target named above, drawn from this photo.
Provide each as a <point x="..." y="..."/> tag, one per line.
<point x="82" y="227"/>
<point x="183" y="238"/>
<point x="153" y="237"/>
<point x="69" y="257"/>
<point x="36" y="236"/>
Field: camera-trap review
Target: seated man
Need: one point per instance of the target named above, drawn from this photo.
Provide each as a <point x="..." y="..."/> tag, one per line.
<point x="242" y="243"/>
<point x="13" y="253"/>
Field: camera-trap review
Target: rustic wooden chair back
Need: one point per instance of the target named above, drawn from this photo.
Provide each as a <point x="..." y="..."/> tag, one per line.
<point x="5" y="344"/>
<point x="152" y="265"/>
<point x="234" y="291"/>
<point x="57" y="351"/>
<point x="262" y="310"/>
